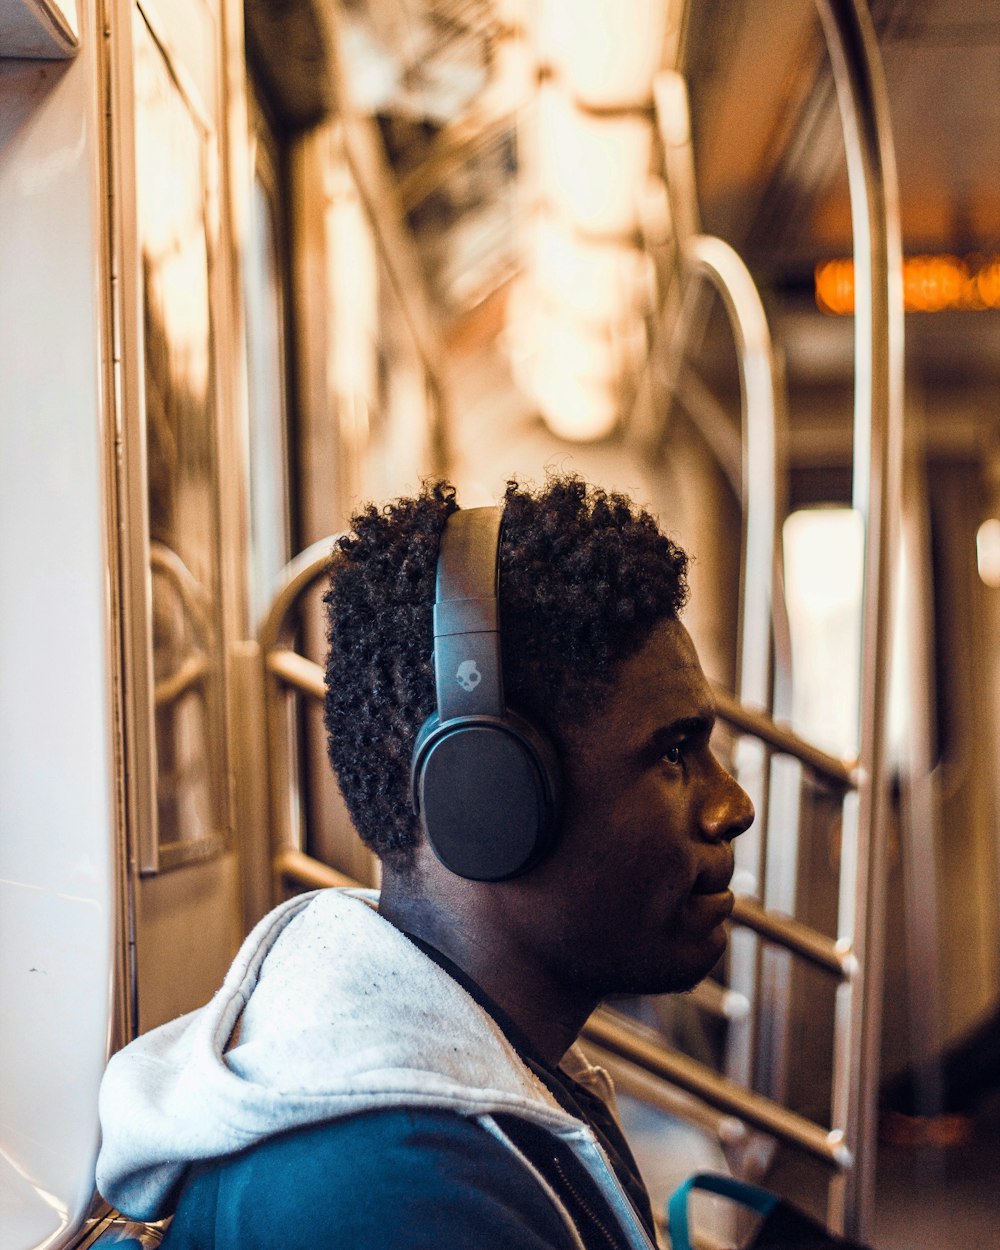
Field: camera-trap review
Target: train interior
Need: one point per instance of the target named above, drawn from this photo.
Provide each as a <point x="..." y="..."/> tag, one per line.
<point x="264" y="262"/>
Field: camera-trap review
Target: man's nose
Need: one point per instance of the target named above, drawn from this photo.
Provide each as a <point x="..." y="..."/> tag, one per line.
<point x="727" y="810"/>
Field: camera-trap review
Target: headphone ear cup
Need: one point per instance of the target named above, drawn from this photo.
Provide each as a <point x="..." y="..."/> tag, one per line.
<point x="487" y="792"/>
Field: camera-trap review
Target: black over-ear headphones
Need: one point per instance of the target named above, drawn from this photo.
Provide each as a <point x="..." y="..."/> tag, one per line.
<point x="484" y="781"/>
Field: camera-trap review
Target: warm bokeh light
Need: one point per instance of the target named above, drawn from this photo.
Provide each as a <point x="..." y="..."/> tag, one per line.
<point x="931" y="283"/>
<point x="824" y="572"/>
<point x="988" y="552"/>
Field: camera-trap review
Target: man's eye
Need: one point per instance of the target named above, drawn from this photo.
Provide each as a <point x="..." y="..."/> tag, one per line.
<point x="673" y="755"/>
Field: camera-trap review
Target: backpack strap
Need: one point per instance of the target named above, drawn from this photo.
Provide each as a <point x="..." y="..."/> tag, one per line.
<point x="760" y="1200"/>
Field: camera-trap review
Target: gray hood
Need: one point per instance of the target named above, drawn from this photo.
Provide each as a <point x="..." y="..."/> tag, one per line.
<point x="327" y="1011"/>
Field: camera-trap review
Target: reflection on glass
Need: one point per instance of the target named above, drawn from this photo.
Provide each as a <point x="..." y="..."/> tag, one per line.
<point x="353" y="281"/>
<point x="266" y="379"/>
<point x="172" y="187"/>
<point x="383" y="406"/>
<point x="402" y="422"/>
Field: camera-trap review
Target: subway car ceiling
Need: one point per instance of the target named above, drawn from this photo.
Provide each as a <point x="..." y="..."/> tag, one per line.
<point x="768" y="150"/>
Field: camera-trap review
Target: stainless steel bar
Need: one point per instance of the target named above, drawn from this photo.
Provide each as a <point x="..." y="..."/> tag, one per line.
<point x="673" y="120"/>
<point x="634" y="1081"/>
<point x="164" y="560"/>
<point x="641" y="1046"/>
<point x="248" y="685"/>
<point x="275" y="636"/>
<point x="878" y="399"/>
<point x="299" y="574"/>
<point x="303" y="869"/>
<point x="780" y="738"/>
<point x="192" y="672"/>
<point x="297" y="671"/>
<point x="718" y="1000"/>
<point x="719" y="264"/>
<point x="715" y="262"/>
<point x="823" y="952"/>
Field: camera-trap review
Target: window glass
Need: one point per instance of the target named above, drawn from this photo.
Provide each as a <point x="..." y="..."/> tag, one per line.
<point x="174" y="188"/>
<point x="824" y="565"/>
<point x="267" y="397"/>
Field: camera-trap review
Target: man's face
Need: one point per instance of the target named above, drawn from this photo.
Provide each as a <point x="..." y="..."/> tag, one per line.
<point x="635" y="893"/>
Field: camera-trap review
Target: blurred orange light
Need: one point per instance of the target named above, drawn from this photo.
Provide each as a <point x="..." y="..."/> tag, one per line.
<point x="931" y="283"/>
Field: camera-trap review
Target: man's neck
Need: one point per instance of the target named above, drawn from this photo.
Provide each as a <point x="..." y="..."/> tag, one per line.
<point x="472" y="938"/>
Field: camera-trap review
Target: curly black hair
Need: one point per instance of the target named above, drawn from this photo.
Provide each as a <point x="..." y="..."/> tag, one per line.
<point x="585" y="576"/>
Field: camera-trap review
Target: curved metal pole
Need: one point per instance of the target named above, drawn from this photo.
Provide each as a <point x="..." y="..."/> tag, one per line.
<point x="878" y="409"/>
<point x="274" y="637"/>
<point x="722" y="266"/>
<point x="295" y="578"/>
<point x="711" y="260"/>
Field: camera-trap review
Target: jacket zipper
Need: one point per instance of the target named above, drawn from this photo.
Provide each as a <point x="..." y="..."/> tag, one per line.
<point x="586" y="1207"/>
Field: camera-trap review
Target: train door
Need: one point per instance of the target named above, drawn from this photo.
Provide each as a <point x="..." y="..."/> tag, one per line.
<point x="183" y="551"/>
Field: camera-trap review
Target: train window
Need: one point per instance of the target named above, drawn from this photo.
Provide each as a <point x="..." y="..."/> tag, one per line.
<point x="823" y="569"/>
<point x="988" y="552"/>
<point x="267" y="379"/>
<point x="824" y="564"/>
<point x="175" y="188"/>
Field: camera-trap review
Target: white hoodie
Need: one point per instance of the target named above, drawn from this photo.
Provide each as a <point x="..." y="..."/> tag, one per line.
<point x="328" y="1010"/>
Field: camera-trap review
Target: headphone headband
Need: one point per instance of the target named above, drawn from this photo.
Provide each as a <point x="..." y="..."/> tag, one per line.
<point x="467" y="671"/>
<point x="484" y="781"/>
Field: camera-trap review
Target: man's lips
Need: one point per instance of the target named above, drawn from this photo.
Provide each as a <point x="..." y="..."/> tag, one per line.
<point x="712" y="906"/>
<point x="716" y="879"/>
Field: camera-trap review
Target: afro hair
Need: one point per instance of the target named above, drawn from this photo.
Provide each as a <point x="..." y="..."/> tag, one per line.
<point x="585" y="576"/>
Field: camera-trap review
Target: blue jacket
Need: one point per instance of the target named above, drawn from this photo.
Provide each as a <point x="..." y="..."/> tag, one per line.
<point x="342" y="1089"/>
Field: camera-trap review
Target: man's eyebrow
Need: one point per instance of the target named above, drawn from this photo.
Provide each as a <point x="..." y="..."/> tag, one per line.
<point x="699" y="726"/>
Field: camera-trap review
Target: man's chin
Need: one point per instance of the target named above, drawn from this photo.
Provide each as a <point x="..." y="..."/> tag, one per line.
<point x="675" y="981"/>
<point x="680" y="976"/>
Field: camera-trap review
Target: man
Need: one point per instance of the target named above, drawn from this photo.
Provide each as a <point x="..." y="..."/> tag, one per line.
<point x="406" y="1075"/>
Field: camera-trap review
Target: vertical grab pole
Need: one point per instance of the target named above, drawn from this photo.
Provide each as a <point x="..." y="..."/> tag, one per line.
<point x="878" y="400"/>
<point x="708" y="259"/>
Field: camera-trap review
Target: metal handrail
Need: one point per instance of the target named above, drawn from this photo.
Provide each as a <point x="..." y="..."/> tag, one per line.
<point x="196" y="666"/>
<point x="302" y="869"/>
<point x="633" y="1079"/>
<point x="297" y="671"/>
<point x="191" y="672"/>
<point x="716" y="262"/>
<point x="166" y="561"/>
<point x="878" y="437"/>
<point x="285" y="670"/>
<point x="800" y="939"/>
<point x="838" y="772"/>
<point x="643" y="1046"/>
<point x="298" y="575"/>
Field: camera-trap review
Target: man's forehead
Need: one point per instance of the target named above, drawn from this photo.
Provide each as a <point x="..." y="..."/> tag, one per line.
<point x="662" y="682"/>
